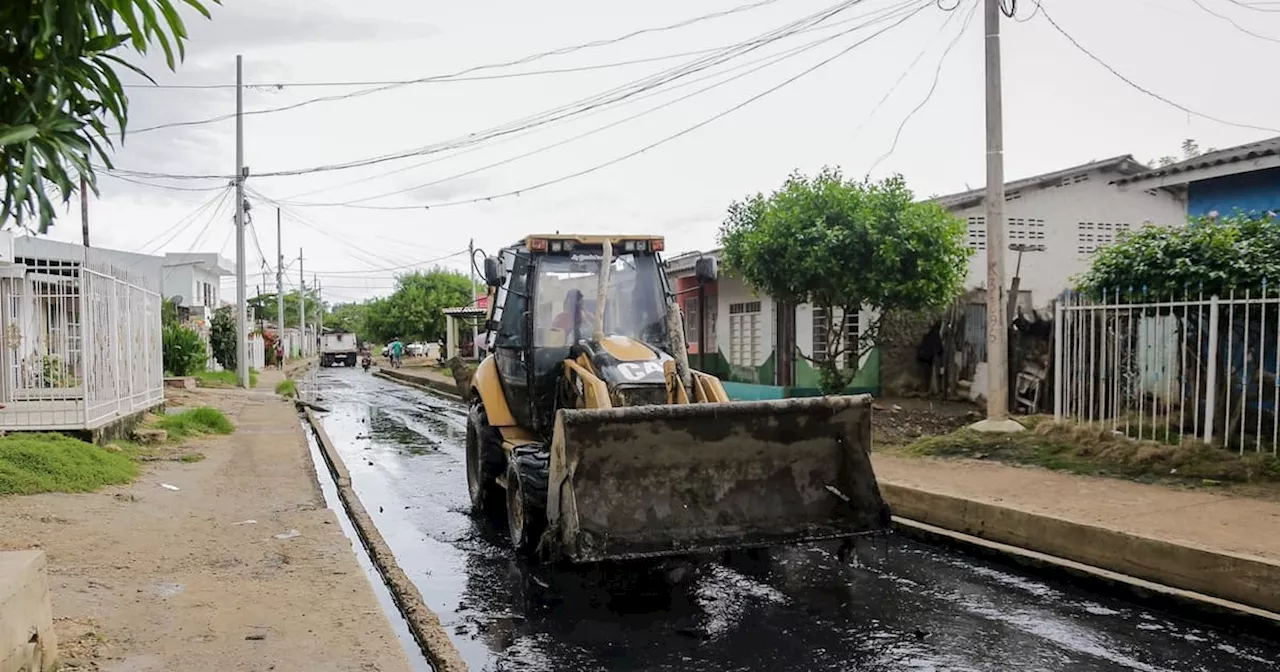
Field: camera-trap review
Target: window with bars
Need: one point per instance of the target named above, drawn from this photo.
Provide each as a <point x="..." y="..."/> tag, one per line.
<point x="821" y="322"/>
<point x="744" y="334"/>
<point x="1091" y="236"/>
<point x="978" y="233"/>
<point x="1026" y="230"/>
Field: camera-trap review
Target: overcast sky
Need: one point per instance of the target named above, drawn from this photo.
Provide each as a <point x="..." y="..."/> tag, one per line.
<point x="1061" y="109"/>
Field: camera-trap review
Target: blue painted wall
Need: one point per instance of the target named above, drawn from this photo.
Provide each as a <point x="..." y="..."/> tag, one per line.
<point x="1253" y="193"/>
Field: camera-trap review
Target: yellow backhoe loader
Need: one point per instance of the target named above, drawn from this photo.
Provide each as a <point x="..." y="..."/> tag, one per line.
<point x="588" y="427"/>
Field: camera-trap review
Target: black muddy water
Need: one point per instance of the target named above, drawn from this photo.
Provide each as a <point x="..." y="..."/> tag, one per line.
<point x="902" y="605"/>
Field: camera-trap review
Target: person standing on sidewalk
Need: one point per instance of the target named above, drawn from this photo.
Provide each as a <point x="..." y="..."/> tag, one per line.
<point x="280" y="355"/>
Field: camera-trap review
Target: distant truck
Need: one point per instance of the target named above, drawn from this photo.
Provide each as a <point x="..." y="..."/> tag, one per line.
<point x="339" y="348"/>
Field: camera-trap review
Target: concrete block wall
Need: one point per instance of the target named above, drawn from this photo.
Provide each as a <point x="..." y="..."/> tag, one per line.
<point x="27" y="642"/>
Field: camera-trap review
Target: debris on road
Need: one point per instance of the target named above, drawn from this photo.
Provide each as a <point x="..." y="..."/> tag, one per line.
<point x="289" y="535"/>
<point x="166" y="486"/>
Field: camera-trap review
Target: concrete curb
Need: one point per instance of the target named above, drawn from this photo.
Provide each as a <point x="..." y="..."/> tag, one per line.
<point x="445" y="389"/>
<point x="1223" y="613"/>
<point x="1229" y="578"/>
<point x="423" y="622"/>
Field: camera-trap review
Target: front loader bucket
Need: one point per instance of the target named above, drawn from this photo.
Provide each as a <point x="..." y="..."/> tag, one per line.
<point x="648" y="481"/>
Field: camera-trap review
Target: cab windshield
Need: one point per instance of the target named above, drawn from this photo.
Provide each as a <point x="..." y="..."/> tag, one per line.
<point x="567" y="297"/>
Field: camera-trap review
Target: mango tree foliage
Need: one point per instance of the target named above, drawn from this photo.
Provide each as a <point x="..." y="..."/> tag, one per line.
<point x="349" y="317"/>
<point x="1233" y="253"/>
<point x="415" y="311"/>
<point x="841" y="245"/>
<point x="59" y="88"/>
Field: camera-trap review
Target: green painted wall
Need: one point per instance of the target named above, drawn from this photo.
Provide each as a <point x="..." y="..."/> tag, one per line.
<point x="754" y="383"/>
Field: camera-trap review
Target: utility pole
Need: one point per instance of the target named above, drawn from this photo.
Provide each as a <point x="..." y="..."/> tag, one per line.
<point x="471" y="267"/>
<point x="279" y="281"/>
<point x="302" y="308"/>
<point x="997" y="325"/>
<point x="315" y="280"/>
<point x="84" y="209"/>
<point x="242" y="312"/>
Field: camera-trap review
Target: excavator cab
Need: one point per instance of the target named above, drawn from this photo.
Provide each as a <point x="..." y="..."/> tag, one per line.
<point x="589" y="432"/>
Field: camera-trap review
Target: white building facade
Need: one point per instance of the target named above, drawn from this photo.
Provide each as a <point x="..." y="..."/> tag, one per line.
<point x="1070" y="213"/>
<point x="81" y="334"/>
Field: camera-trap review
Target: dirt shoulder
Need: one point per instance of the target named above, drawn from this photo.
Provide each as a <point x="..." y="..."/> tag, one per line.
<point x="1200" y="519"/>
<point x="145" y="578"/>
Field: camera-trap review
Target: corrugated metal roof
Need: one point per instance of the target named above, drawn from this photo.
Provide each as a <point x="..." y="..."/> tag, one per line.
<point x="1246" y="152"/>
<point x="1124" y="163"/>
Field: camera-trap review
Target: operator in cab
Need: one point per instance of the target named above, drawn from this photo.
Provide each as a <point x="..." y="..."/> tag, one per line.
<point x="574" y="320"/>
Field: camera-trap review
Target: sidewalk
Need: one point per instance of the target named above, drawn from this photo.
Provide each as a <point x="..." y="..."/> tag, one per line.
<point x="1194" y="518"/>
<point x="146" y="578"/>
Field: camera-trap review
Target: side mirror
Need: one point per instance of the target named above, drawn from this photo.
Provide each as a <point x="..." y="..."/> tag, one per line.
<point x="492" y="272"/>
<point x="705" y="270"/>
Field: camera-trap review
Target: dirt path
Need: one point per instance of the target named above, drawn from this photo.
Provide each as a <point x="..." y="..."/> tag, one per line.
<point x="1202" y="519"/>
<point x="145" y="578"/>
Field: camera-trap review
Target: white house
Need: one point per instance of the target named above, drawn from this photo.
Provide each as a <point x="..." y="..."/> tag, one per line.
<point x="195" y="278"/>
<point x="1071" y="213"/>
<point x="81" y="334"/>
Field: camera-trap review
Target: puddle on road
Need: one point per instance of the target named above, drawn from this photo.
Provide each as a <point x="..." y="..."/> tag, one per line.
<point x="904" y="606"/>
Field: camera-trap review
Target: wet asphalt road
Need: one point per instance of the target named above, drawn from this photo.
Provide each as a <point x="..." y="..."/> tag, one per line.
<point x="903" y="606"/>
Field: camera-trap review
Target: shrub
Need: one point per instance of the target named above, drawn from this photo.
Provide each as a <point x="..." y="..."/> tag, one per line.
<point x="184" y="351"/>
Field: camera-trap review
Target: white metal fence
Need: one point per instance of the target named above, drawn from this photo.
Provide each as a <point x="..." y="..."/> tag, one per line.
<point x="1172" y="369"/>
<point x="82" y="345"/>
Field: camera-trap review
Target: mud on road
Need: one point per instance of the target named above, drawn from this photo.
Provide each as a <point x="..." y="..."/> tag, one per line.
<point x="902" y="605"/>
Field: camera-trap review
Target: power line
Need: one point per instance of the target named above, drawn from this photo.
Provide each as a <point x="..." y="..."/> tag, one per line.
<point x="476" y="146"/>
<point x="686" y="131"/>
<point x="519" y="61"/>
<point x="771" y="60"/>
<point x="1142" y="89"/>
<point x="937" y="73"/>
<point x="1237" y="26"/>
<point x="619" y="93"/>
<point x="951" y="14"/>
<point x="189" y="219"/>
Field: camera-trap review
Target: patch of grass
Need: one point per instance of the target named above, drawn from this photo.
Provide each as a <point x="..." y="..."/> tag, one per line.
<point x="201" y="420"/>
<point x="1082" y="449"/>
<point x="287" y="388"/>
<point x="223" y="379"/>
<point x="31" y="463"/>
<point x="191" y="457"/>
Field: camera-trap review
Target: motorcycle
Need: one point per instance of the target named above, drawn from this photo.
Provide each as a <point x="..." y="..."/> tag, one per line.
<point x="366" y="363"/>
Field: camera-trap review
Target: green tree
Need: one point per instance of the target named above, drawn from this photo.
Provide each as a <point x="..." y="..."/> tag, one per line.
<point x="841" y="245"/>
<point x="415" y="310"/>
<point x="263" y="307"/>
<point x="222" y="337"/>
<point x="1233" y="253"/>
<point x="348" y="317"/>
<point x="59" y="88"/>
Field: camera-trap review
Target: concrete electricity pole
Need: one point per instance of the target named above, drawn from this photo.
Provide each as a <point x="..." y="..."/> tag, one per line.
<point x="279" y="279"/>
<point x="84" y="209"/>
<point x="997" y="337"/>
<point x="315" y="280"/>
<point x="302" y="308"/>
<point x="471" y="267"/>
<point x="242" y="312"/>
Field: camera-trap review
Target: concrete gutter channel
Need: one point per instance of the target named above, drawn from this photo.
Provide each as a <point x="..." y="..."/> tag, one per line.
<point x="1223" y="587"/>
<point x="423" y="622"/>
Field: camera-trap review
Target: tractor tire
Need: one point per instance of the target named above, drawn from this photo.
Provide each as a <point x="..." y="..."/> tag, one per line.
<point x="527" y="475"/>
<point x="485" y="461"/>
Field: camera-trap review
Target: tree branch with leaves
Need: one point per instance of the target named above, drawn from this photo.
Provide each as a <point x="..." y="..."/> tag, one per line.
<point x="59" y="89"/>
<point x="842" y="246"/>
